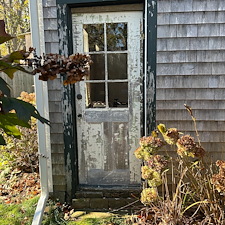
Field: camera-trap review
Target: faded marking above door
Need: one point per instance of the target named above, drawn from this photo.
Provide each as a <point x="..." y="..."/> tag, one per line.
<point x="108" y="101"/>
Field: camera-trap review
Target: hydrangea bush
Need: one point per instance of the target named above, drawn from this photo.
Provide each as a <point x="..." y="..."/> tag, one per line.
<point x="197" y="192"/>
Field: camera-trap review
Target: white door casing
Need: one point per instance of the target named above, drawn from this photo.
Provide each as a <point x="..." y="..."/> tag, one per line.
<point x="108" y="104"/>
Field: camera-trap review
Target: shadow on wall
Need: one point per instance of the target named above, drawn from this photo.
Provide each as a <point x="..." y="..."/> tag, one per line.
<point x="21" y="82"/>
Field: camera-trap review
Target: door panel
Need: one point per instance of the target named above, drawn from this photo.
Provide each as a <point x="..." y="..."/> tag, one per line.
<point x="108" y="113"/>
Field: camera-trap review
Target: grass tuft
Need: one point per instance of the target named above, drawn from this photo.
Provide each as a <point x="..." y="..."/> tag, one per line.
<point x="17" y="214"/>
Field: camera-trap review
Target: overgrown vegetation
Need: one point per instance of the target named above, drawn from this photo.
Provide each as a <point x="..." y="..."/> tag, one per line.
<point x="17" y="214"/>
<point x="63" y="214"/>
<point x="180" y="187"/>
<point x="55" y="214"/>
<point x="19" y="178"/>
<point x="20" y="187"/>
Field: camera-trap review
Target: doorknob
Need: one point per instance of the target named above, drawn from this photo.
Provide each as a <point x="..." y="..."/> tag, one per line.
<point x="79" y="115"/>
<point x="79" y="96"/>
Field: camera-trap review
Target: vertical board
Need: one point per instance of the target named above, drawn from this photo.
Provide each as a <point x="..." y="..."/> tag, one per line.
<point x="64" y="25"/>
<point x="150" y="65"/>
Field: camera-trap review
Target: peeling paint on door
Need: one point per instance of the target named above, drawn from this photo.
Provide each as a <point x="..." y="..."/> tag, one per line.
<point x="108" y="132"/>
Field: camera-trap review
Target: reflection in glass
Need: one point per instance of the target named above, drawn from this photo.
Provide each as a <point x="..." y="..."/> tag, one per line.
<point x="116" y="36"/>
<point x="117" y="66"/>
<point x="93" y="37"/>
<point x="95" y="95"/>
<point x="97" y="68"/>
<point x="118" y="95"/>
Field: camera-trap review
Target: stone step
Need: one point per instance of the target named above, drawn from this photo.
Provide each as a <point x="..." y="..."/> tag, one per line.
<point x="107" y="193"/>
<point x="106" y="204"/>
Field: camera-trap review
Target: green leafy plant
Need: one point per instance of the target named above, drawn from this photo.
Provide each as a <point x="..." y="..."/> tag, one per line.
<point x="19" y="165"/>
<point x="73" y="68"/>
<point x="22" y="154"/>
<point x="190" y="189"/>
<point x="9" y="121"/>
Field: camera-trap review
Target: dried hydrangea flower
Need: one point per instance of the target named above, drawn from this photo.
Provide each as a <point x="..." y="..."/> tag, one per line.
<point x="147" y="155"/>
<point x="156" y="181"/>
<point x="186" y="146"/>
<point x="139" y="153"/>
<point x="149" y="195"/>
<point x="199" y="151"/>
<point x="158" y="162"/>
<point x="218" y="180"/>
<point x="148" y="147"/>
<point x="151" y="144"/>
<point x="170" y="135"/>
<point x="221" y="165"/>
<point x="153" y="177"/>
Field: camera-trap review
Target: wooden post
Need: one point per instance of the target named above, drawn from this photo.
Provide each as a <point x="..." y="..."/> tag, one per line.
<point x="150" y="66"/>
<point x="68" y="104"/>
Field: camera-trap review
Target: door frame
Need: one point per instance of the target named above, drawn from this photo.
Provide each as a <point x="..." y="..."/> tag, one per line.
<point x="64" y="17"/>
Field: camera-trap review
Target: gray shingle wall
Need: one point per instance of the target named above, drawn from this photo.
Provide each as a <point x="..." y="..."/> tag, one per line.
<point x="191" y="68"/>
<point x="55" y="101"/>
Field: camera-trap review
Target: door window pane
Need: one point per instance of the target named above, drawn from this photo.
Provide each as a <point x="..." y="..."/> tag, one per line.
<point x="118" y="95"/>
<point x="117" y="66"/>
<point x="116" y="36"/>
<point x="97" y="68"/>
<point x="95" y="95"/>
<point x="93" y="35"/>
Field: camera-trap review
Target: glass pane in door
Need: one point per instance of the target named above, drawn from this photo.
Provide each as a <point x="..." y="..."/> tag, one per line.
<point x="93" y="35"/>
<point x="116" y="36"/>
<point x="95" y="95"/>
<point x="117" y="66"/>
<point x="97" y="68"/>
<point x="118" y="94"/>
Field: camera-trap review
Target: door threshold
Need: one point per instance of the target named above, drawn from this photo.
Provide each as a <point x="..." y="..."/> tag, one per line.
<point x="84" y="187"/>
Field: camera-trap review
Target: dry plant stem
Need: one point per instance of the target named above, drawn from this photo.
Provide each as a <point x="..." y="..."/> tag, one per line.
<point x="204" y="188"/>
<point x="214" y="206"/>
<point x="196" y="130"/>
<point x="189" y="173"/>
<point x="210" y="204"/>
<point x="196" y="186"/>
<point x="165" y="182"/>
<point x="173" y="177"/>
<point x="179" y="184"/>
<point x="124" y="207"/>
<point x="189" y="109"/>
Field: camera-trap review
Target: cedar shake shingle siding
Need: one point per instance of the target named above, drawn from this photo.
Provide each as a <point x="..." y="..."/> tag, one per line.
<point x="55" y="101"/>
<point x="191" y="68"/>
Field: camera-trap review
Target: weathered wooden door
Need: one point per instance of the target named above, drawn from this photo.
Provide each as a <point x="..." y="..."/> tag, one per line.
<point x="108" y="103"/>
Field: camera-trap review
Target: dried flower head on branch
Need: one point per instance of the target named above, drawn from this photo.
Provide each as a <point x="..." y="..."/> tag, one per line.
<point x="74" y="67"/>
